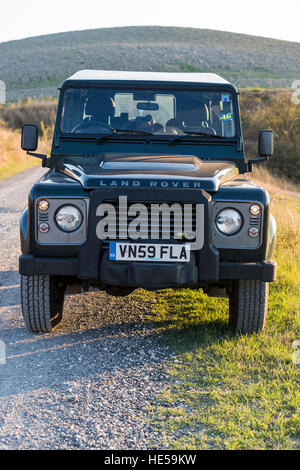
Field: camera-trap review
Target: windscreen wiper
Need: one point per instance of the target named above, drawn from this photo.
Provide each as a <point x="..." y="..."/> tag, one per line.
<point x="121" y="131"/>
<point x="134" y="131"/>
<point x="189" y="133"/>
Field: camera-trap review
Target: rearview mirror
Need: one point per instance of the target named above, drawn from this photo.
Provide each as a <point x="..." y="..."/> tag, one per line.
<point x="265" y="143"/>
<point x="147" y="106"/>
<point x="30" y="137"/>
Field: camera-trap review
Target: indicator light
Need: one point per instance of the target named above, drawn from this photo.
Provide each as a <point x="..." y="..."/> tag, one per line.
<point x="43" y="205"/>
<point x="44" y="228"/>
<point x="254" y="209"/>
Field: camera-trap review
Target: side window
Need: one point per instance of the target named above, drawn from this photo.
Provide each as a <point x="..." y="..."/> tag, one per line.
<point x="73" y="108"/>
<point x="227" y="115"/>
<point x="222" y="114"/>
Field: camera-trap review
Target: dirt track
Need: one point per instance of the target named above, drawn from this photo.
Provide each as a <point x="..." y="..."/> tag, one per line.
<point x="88" y="384"/>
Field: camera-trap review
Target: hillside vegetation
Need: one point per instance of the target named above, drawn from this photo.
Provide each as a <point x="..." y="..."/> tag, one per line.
<point x="36" y="66"/>
<point x="273" y="109"/>
<point x="260" y="109"/>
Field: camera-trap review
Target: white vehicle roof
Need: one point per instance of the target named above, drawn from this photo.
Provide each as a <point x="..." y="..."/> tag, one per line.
<point x="111" y="75"/>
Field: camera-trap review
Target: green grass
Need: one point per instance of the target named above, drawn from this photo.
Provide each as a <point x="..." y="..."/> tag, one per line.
<point x="230" y="73"/>
<point x="37" y="83"/>
<point x="226" y="391"/>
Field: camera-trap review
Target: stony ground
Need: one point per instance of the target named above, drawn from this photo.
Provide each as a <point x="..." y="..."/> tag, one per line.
<point x="36" y="66"/>
<point x="88" y="384"/>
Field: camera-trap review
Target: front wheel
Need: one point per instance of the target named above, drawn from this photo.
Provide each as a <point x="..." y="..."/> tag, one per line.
<point x="248" y="306"/>
<point x="42" y="300"/>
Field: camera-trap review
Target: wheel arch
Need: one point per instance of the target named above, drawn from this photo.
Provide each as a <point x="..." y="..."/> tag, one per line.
<point x="25" y="232"/>
<point x="271" y="237"/>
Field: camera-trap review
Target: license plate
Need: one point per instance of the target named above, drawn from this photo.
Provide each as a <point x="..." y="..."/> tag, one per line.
<point x="147" y="252"/>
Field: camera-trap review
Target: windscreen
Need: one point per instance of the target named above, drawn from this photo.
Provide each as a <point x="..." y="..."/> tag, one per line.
<point x="99" y="111"/>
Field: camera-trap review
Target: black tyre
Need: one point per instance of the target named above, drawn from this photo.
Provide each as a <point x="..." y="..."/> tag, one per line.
<point x="42" y="300"/>
<point x="248" y="306"/>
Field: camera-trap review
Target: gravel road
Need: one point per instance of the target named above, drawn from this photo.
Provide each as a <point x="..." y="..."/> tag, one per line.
<point x="88" y="384"/>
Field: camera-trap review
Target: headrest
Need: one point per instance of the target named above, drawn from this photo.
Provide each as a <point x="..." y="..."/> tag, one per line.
<point x="195" y="111"/>
<point x="144" y="121"/>
<point x="100" y="105"/>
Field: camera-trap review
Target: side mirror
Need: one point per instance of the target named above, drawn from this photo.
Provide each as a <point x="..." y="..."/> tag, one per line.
<point x="30" y="136"/>
<point x="265" y="143"/>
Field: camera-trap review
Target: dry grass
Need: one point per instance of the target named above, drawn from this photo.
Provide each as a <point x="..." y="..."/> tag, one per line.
<point x="271" y="182"/>
<point x="12" y="117"/>
<point x="12" y="158"/>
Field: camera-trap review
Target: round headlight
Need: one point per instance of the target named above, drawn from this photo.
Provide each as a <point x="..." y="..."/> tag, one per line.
<point x="68" y="218"/>
<point x="229" y="221"/>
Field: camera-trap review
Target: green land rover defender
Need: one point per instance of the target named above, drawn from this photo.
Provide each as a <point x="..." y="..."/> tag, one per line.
<point x="145" y="188"/>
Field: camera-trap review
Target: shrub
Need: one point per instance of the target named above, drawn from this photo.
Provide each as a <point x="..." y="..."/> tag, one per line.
<point x="273" y="109"/>
<point x="42" y="113"/>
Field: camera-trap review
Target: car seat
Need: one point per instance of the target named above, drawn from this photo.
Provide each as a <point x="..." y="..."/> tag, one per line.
<point x="193" y="115"/>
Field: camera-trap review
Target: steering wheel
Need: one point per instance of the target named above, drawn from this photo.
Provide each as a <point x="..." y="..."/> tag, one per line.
<point x="89" y="124"/>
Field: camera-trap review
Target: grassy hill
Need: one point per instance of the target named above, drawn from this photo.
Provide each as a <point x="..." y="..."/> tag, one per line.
<point x="36" y="66"/>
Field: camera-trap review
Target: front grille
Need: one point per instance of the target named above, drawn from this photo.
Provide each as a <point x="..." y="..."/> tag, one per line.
<point x="43" y="216"/>
<point x="155" y="228"/>
<point x="254" y="220"/>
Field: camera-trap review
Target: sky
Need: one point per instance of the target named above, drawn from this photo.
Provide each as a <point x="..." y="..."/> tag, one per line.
<point x="268" y="18"/>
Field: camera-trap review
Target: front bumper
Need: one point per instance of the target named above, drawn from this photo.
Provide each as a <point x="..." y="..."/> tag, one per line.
<point x="92" y="262"/>
<point x="139" y="274"/>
